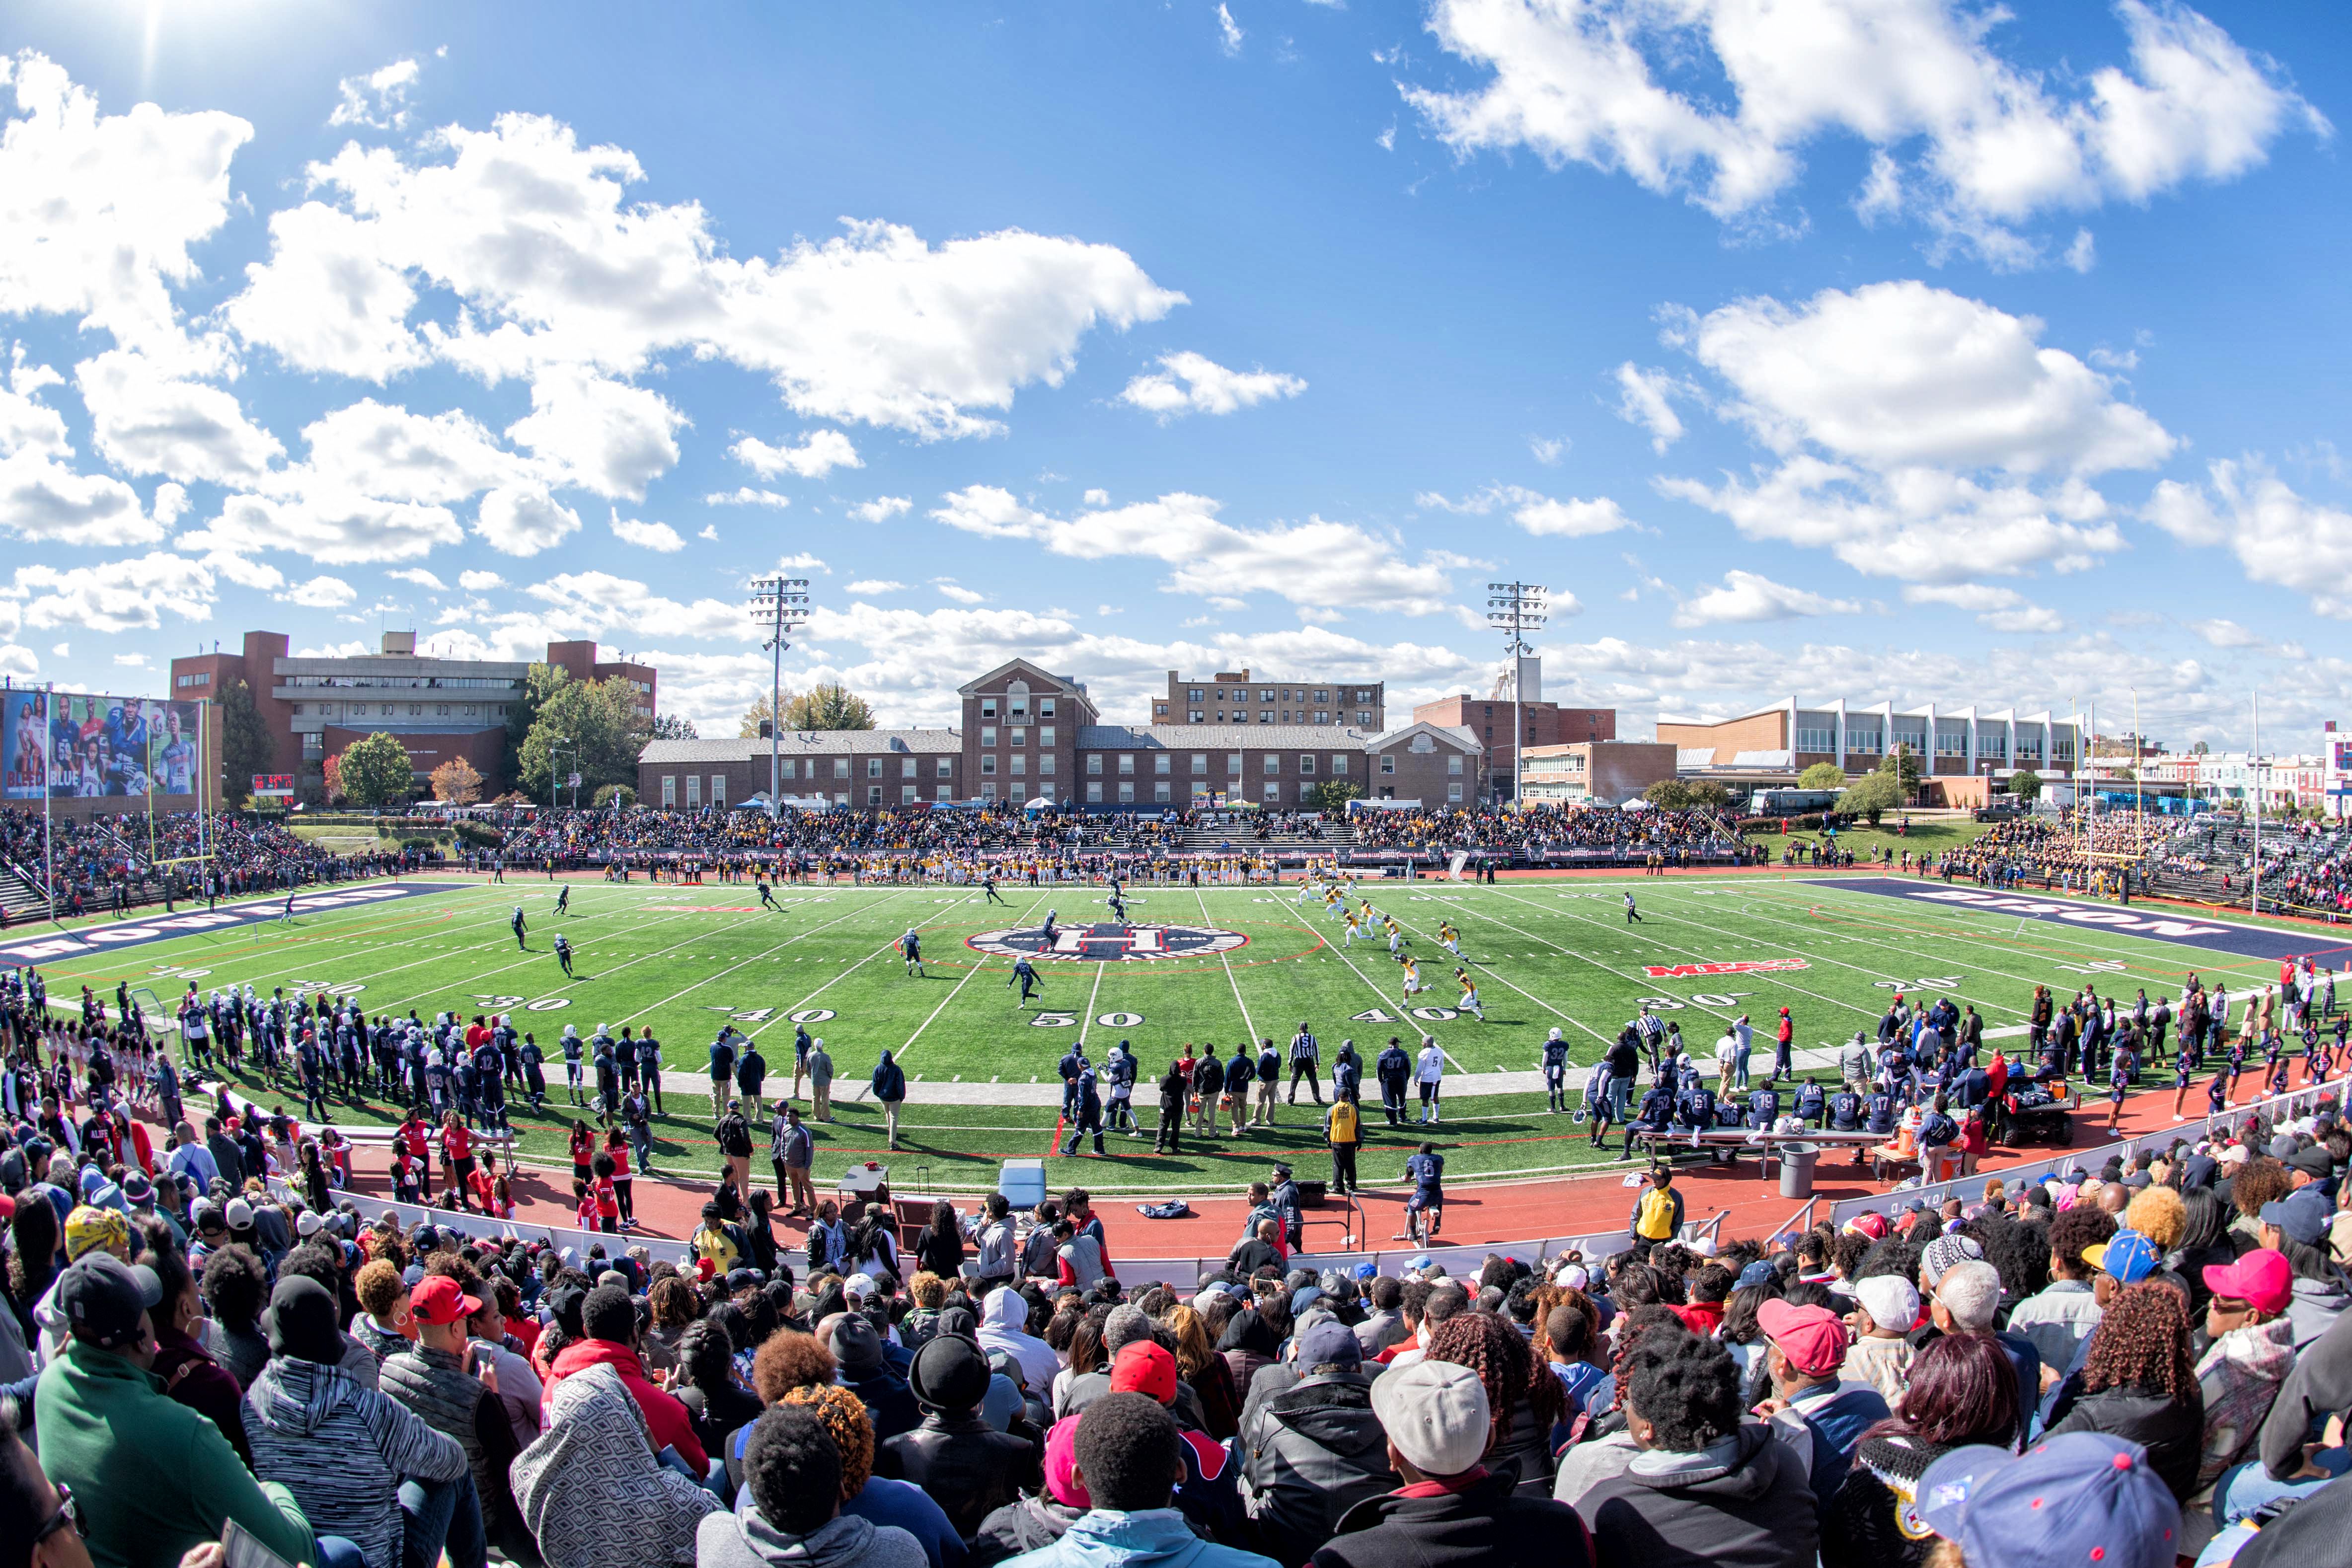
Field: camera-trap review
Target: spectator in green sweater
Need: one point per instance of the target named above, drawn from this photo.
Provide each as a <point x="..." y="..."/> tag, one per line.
<point x="151" y="1477"/>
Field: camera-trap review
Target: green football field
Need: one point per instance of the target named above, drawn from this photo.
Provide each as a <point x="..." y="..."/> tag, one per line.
<point x="1220" y="966"/>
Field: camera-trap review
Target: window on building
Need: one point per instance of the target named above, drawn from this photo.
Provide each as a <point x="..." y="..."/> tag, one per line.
<point x="1045" y="707"/>
<point x="1094" y="794"/>
<point x="1453" y="765"/>
<point x="1322" y="696"/>
<point x="1271" y="765"/>
<point x="1020" y="765"/>
<point x="1265" y="716"/>
<point x="840" y="768"/>
<point x="1019" y="735"/>
<point x="1266" y="695"/>
<point x="1233" y="764"/>
<point x="1453" y="792"/>
<point x="908" y="767"/>
<point x="907" y="793"/>
<point x="988" y="707"/>
<point x="987" y="791"/>
<point x="1862" y="742"/>
<point x="1044" y="735"/>
<point x="441" y="710"/>
<point x="1387" y="763"/>
<point x="1160" y="791"/>
<point x="1195" y="716"/>
<point x="1127" y="764"/>
<point x="874" y="767"/>
<point x="1126" y="790"/>
<point x="669" y="789"/>
<point x="1162" y="764"/>
<point x="987" y="764"/>
<point x="988" y="735"/>
<point x="1338" y="764"/>
<point x="1194" y="695"/>
<point x="944" y="768"/>
<point x="1200" y="765"/>
<point x="719" y="788"/>
<point x="1365" y="717"/>
<point x="693" y="789"/>
<point x="1045" y="766"/>
<point x="1159" y="710"/>
<point x="1094" y="763"/>
<point x="873" y="794"/>
<point x="1305" y="763"/>
<point x="1322" y="716"/>
<point x="1274" y="793"/>
<point x="1019" y="703"/>
<point x="1820" y="738"/>
<point x="944" y="792"/>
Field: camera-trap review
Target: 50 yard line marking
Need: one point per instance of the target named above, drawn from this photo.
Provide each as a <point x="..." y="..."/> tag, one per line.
<point x="901" y="1055"/>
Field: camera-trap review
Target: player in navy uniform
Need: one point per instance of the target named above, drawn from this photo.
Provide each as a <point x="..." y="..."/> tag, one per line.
<point x="1555" y="1071"/>
<point x="564" y="899"/>
<point x="518" y="924"/>
<point x="1051" y="915"/>
<point x="563" y="955"/>
<point x="767" y="899"/>
<point x="988" y="886"/>
<point x="911" y="945"/>
<point x="1025" y="977"/>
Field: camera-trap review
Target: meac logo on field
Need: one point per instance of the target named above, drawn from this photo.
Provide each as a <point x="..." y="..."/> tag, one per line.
<point x="1742" y="967"/>
<point x="1108" y="942"/>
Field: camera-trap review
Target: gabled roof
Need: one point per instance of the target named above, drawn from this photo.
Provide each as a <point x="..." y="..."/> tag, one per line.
<point x="1220" y="738"/>
<point x="1033" y="674"/>
<point x="806" y="743"/>
<point x="1460" y="734"/>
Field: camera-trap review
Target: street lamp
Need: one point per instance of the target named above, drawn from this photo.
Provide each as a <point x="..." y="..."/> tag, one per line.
<point x="780" y="607"/>
<point x="554" y="779"/>
<point x="1517" y="609"/>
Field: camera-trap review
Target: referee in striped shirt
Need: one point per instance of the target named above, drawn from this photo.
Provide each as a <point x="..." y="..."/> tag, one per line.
<point x="1304" y="1055"/>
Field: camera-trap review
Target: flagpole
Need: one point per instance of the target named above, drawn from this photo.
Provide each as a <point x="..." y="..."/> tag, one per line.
<point x="2254" y="776"/>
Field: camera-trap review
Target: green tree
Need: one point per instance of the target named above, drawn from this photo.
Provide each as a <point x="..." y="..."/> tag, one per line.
<point x="2025" y="784"/>
<point x="247" y="745"/>
<point x="1822" y="775"/>
<point x="1707" y="795"/>
<point x="1903" y="764"/>
<point x="1875" y="794"/>
<point x="624" y="793"/>
<point x="827" y="707"/>
<point x="589" y="726"/>
<point x="537" y="682"/>
<point x="1333" y="794"/>
<point x="1668" y="795"/>
<point x="672" y="727"/>
<point x="375" y="770"/>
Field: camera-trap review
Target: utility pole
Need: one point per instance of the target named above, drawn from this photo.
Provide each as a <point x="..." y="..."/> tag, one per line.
<point x="780" y="607"/>
<point x="1515" y="609"/>
<point x="2255" y="771"/>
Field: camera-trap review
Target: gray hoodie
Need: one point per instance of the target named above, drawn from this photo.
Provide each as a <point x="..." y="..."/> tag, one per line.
<point x="343" y="1450"/>
<point x="744" y="1539"/>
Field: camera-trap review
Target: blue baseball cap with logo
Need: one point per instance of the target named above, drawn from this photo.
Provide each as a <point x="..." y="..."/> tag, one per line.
<point x="2127" y="1257"/>
<point x="2081" y="1499"/>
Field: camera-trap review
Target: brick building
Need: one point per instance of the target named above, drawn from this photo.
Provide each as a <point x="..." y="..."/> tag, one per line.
<point x="438" y="709"/>
<point x="1540" y="724"/>
<point x="1961" y="749"/>
<point x="1602" y="772"/>
<point x="873" y="768"/>
<point x="1243" y="697"/>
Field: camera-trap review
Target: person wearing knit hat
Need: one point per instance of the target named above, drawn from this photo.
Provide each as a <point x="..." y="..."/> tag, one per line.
<point x="965" y="1464"/>
<point x="1028" y="1521"/>
<point x="1451" y="1507"/>
<point x="1941" y="1254"/>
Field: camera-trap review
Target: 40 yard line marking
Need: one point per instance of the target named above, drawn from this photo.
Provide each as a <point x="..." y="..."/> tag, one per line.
<point x="1247" y="1022"/>
<point x="752" y="959"/>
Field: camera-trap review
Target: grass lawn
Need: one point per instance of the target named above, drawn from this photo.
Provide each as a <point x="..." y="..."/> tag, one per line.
<point x="1926" y="835"/>
<point x="684" y="960"/>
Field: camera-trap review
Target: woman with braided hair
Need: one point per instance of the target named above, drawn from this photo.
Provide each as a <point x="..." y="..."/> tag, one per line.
<point x="1524" y="1396"/>
<point x="2139" y="1383"/>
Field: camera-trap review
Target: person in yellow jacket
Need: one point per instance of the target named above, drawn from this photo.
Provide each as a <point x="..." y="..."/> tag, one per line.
<point x="1657" y="1213"/>
<point x="1343" y="1130"/>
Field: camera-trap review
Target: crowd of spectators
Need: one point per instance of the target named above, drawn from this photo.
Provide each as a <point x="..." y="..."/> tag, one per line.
<point x="1534" y="830"/>
<point x="2162" y="1347"/>
<point x="115" y="862"/>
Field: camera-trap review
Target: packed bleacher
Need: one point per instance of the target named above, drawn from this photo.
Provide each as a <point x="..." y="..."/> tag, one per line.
<point x="116" y="862"/>
<point x="203" y="1342"/>
<point x="1537" y="830"/>
<point x="2306" y="867"/>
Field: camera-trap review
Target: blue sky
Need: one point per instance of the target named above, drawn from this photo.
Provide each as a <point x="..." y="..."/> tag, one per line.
<point x="1894" y="349"/>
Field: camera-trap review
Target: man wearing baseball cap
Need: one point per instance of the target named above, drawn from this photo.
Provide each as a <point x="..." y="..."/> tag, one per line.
<point x="431" y="1380"/>
<point x="2080" y="1498"/>
<point x="1451" y="1507"/>
<point x="1820" y="1415"/>
<point x="1316" y="1448"/>
<point x="152" y="1477"/>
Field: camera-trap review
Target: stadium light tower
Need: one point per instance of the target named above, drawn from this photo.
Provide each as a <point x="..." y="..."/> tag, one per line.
<point x="1517" y="609"/>
<point x="780" y="607"/>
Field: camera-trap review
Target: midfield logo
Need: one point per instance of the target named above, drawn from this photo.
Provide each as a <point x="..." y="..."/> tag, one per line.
<point x="1109" y="942"/>
<point x="1745" y="967"/>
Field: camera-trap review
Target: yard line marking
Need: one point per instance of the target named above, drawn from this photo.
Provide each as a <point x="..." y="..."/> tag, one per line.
<point x="901" y="1055"/>
<point x="1087" y="1022"/>
<point x="732" y="967"/>
<point x="1247" y="1022"/>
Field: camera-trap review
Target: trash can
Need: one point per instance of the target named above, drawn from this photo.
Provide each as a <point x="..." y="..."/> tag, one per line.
<point x="1796" y="1161"/>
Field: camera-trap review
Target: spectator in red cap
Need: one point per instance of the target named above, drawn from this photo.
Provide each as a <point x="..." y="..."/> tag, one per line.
<point x="2252" y="1351"/>
<point x="1820" y="1415"/>
<point x="1210" y="1493"/>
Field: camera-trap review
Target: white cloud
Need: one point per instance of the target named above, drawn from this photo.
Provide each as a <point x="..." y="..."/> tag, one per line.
<point x="524" y="520"/>
<point x="875" y="327"/>
<point x="595" y="603"/>
<point x="385" y="451"/>
<point x="950" y="589"/>
<point x="1548" y="450"/>
<point x="321" y="593"/>
<point x="598" y="433"/>
<point x="1646" y="397"/>
<point x="129" y="661"/>
<point x="877" y="585"/>
<point x="1573" y="518"/>
<point x="479" y="581"/>
<point x="1229" y="32"/>
<point x="1097" y="498"/>
<point x="658" y="537"/>
<point x="2083" y="252"/>
<point x="379" y="99"/>
<point x="333" y="528"/>
<point x="1905" y="417"/>
<point x="131" y="594"/>
<point x="1321" y="566"/>
<point x="1717" y="100"/>
<point x="821" y="453"/>
<point x="1207" y="387"/>
<point x="2002" y="609"/>
<point x="326" y="300"/>
<point x="882" y="508"/>
<point x="421" y="577"/>
<point x="801" y="561"/>
<point x="145" y="420"/>
<point x="2223" y="633"/>
<point x="98" y="212"/>
<point x="745" y="496"/>
<point x="710" y="531"/>
<point x="1745" y="596"/>
<point x="2280" y="537"/>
